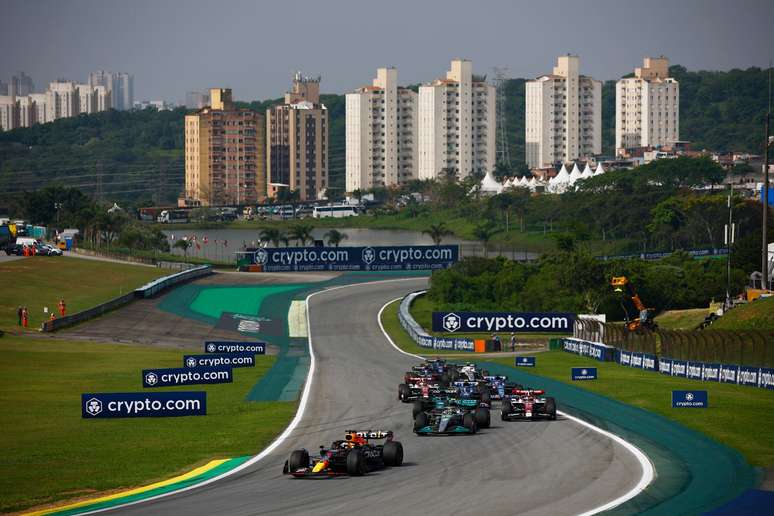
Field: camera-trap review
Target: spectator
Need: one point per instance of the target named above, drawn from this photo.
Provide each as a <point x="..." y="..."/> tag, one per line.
<point x="62" y="307"/>
<point x="25" y="317"/>
<point x="19" y="312"/>
<point x="513" y="341"/>
<point x="497" y="345"/>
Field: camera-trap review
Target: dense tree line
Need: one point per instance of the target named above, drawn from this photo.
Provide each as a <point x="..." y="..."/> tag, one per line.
<point x="575" y="281"/>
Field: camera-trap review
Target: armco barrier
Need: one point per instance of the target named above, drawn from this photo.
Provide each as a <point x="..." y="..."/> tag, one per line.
<point x="420" y="336"/>
<point x="145" y="291"/>
<point x="753" y="376"/>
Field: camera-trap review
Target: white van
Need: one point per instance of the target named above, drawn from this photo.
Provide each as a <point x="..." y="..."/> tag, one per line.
<point x="28" y="241"/>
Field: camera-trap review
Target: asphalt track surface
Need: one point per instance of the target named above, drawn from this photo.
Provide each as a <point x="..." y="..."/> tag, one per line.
<point x="552" y="467"/>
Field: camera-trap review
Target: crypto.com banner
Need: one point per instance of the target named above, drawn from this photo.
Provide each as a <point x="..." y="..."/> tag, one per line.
<point x="496" y="322"/>
<point x="393" y="258"/>
<point x="143" y="404"/>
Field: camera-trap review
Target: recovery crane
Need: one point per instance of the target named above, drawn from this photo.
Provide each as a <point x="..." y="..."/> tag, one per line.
<point x="622" y="285"/>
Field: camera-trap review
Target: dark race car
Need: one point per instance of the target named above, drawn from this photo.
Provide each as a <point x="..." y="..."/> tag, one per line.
<point x="499" y="386"/>
<point x="474" y="390"/>
<point x="354" y="456"/>
<point x="527" y="404"/>
<point x="451" y="416"/>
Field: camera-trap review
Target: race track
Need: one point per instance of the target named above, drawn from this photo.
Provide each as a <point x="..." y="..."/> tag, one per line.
<point x="553" y="467"/>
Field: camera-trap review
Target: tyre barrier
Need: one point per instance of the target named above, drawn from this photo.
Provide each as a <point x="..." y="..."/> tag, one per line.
<point x="146" y="291"/>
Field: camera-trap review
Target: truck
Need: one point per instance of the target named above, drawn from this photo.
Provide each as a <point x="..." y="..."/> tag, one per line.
<point x="173" y="217"/>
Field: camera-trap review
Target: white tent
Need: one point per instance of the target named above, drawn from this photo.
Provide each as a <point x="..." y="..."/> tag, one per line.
<point x="575" y="174"/>
<point x="490" y="185"/>
<point x="599" y="171"/>
<point x="523" y="181"/>
<point x="560" y="182"/>
<point x="587" y="172"/>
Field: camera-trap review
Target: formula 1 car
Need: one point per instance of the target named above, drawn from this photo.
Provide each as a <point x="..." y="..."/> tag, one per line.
<point x="499" y="386"/>
<point x="452" y="416"/>
<point x="417" y="387"/>
<point x="527" y="404"/>
<point x="477" y="390"/>
<point x="354" y="456"/>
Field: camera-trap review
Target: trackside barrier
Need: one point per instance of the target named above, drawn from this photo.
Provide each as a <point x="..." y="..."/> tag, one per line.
<point x="761" y="377"/>
<point x="145" y="291"/>
<point x="420" y="336"/>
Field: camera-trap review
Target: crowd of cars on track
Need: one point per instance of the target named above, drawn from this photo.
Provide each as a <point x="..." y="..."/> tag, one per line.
<point x="446" y="398"/>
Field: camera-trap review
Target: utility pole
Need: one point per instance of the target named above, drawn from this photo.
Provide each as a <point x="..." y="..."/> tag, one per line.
<point x="765" y="198"/>
<point x="730" y="233"/>
<point x="99" y="181"/>
<point x="503" y="156"/>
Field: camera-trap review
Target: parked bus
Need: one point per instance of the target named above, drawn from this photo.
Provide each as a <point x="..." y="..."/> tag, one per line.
<point x="334" y="210"/>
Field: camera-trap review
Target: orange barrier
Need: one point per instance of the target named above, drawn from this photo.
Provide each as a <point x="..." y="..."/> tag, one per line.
<point x="479" y="345"/>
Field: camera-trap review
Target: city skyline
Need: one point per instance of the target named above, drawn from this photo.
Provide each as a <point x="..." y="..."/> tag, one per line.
<point x="610" y="37"/>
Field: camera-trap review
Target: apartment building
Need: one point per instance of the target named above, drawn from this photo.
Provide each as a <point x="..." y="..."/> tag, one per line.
<point x="647" y="107"/>
<point x="297" y="141"/>
<point x="119" y="84"/>
<point x="381" y="128"/>
<point x="21" y="85"/>
<point x="456" y="125"/>
<point x="93" y="99"/>
<point x="563" y="116"/>
<point x="62" y="100"/>
<point x="224" y="154"/>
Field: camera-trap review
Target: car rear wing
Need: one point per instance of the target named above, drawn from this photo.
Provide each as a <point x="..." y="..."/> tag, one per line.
<point x="368" y="434"/>
<point x="499" y="378"/>
<point x="527" y="392"/>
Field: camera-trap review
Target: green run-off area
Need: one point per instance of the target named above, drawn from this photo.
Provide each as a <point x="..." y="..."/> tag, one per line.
<point x="213" y="301"/>
<point x="50" y="453"/>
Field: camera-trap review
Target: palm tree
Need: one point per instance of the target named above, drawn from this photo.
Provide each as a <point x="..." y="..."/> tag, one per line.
<point x="484" y="233"/>
<point x="272" y="235"/>
<point x="335" y="237"/>
<point x="301" y="233"/>
<point x="184" y="245"/>
<point x="437" y="232"/>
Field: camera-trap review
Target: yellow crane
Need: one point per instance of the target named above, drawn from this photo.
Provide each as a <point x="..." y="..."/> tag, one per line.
<point x="622" y="285"/>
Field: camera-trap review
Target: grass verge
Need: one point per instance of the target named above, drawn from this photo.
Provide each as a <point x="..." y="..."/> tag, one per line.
<point x="683" y="319"/>
<point x="738" y="416"/>
<point x="41" y="281"/>
<point x="52" y="454"/>
<point x="758" y="315"/>
<point x="401" y="338"/>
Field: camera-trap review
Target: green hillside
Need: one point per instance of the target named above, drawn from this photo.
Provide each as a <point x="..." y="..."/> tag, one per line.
<point x="138" y="155"/>
<point x="758" y="315"/>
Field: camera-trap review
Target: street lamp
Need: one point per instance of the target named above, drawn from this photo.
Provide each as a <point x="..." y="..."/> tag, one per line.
<point x="765" y="197"/>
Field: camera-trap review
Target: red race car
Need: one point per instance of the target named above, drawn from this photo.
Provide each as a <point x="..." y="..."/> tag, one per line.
<point x="527" y="404"/>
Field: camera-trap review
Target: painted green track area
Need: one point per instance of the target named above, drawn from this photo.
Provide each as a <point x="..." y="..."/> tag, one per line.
<point x="212" y="302"/>
<point x="50" y="453"/>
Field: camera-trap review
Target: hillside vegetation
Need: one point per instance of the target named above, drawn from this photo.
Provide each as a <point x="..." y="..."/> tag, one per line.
<point x="137" y="155"/>
<point x="758" y="315"/>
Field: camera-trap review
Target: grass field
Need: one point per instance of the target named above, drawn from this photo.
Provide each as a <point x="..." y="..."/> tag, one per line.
<point x="42" y="281"/>
<point x="50" y="453"/>
<point x="758" y="315"/>
<point x="682" y="319"/>
<point x="738" y="416"/>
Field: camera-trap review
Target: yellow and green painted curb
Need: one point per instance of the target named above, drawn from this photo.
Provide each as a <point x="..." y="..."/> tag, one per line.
<point x="210" y="470"/>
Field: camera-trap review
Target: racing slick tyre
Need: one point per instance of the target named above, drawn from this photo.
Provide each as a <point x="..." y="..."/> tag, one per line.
<point x="503" y="416"/>
<point x="420" y="421"/>
<point x="298" y="459"/>
<point x="483" y="418"/>
<point x="404" y="392"/>
<point x="392" y="453"/>
<point x="417" y="408"/>
<point x="551" y="408"/>
<point x="469" y="422"/>
<point x="356" y="463"/>
<point x="486" y="397"/>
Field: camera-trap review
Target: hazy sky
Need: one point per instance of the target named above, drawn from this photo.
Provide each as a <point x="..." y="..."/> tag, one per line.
<point x="175" y="46"/>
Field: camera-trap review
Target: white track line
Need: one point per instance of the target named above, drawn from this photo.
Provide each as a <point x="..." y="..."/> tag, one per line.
<point x="648" y="471"/>
<point x="293" y="424"/>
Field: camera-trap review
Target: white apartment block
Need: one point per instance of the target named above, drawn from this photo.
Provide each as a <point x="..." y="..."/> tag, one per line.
<point x="647" y="107"/>
<point x="563" y="116"/>
<point x="63" y="99"/>
<point x="381" y="130"/>
<point x="9" y="113"/>
<point x="456" y="125"/>
<point x="119" y="84"/>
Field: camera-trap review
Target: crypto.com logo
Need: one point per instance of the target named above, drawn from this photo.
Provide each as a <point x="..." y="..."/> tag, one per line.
<point x="688" y="396"/>
<point x="451" y="322"/>
<point x="93" y="407"/>
<point x="151" y="379"/>
<point x="190" y="362"/>
<point x="211" y="348"/>
<point x="261" y="256"/>
<point x="369" y="255"/>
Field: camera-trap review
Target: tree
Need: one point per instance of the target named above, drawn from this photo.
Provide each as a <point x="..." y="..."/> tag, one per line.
<point x="484" y="232"/>
<point x="272" y="235"/>
<point x="301" y="233"/>
<point x="183" y="244"/>
<point x="335" y="237"/>
<point x="437" y="232"/>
